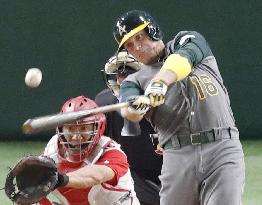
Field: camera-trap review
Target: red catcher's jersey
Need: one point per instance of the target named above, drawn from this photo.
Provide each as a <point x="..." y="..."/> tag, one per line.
<point x="107" y="153"/>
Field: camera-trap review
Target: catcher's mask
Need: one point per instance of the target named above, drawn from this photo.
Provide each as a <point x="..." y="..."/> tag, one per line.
<point x="131" y="22"/>
<point x="119" y="67"/>
<point x="79" y="139"/>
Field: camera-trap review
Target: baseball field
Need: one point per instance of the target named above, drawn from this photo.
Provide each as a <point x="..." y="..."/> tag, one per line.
<point x="12" y="151"/>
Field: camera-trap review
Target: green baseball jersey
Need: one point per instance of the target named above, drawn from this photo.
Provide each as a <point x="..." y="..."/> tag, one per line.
<point x="199" y="102"/>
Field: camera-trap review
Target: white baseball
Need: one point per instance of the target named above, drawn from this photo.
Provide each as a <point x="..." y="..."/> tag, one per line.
<point x="33" y="77"/>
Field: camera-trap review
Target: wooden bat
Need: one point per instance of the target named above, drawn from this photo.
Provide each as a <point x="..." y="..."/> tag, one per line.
<point x="38" y="124"/>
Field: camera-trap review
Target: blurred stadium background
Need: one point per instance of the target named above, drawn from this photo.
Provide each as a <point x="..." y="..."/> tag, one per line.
<point x="70" y="41"/>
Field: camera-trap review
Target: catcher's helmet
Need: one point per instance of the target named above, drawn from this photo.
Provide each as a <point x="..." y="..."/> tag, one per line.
<point x="81" y="151"/>
<point x="132" y="22"/>
<point x="120" y="65"/>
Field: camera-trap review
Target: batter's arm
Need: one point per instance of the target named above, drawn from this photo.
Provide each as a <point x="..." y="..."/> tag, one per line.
<point x="192" y="49"/>
<point x="131" y="116"/>
<point x="166" y="76"/>
<point x="127" y="90"/>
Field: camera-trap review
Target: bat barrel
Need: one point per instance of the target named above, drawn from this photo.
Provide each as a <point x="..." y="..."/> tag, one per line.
<point x="35" y="125"/>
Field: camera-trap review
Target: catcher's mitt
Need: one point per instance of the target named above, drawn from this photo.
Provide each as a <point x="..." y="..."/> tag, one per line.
<point x="32" y="178"/>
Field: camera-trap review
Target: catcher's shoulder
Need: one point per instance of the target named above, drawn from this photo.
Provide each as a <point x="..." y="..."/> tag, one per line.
<point x="108" y="143"/>
<point x="51" y="149"/>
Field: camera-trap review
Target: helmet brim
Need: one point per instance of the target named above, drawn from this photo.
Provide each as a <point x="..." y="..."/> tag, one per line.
<point x="131" y="33"/>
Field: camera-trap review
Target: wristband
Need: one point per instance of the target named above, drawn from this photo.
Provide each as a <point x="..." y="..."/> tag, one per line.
<point x="177" y="64"/>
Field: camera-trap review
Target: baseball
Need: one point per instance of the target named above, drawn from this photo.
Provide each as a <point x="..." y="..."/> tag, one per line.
<point x="33" y="77"/>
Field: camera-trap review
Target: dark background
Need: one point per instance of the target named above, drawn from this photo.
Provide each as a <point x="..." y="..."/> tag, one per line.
<point x="70" y="41"/>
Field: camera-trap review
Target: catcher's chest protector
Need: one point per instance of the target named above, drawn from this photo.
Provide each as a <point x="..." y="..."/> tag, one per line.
<point x="123" y="193"/>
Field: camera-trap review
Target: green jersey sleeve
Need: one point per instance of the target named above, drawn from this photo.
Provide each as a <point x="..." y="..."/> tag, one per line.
<point x="191" y="45"/>
<point x="128" y="89"/>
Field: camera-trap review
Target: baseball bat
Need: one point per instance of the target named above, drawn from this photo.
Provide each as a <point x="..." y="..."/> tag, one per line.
<point x="38" y="124"/>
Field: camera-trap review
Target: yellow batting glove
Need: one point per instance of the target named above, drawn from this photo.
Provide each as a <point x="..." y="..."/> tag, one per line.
<point x="156" y="91"/>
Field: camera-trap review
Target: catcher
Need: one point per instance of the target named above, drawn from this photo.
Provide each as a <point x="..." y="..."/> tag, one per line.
<point x="79" y="166"/>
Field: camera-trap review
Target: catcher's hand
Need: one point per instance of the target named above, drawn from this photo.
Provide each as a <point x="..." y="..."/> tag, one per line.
<point x="32" y="178"/>
<point x="156" y="91"/>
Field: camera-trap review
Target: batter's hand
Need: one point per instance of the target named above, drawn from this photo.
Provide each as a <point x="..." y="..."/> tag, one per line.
<point x="139" y="105"/>
<point x="156" y="91"/>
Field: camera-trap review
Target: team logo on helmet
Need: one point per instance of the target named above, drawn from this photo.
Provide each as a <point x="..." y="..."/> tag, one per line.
<point x="121" y="29"/>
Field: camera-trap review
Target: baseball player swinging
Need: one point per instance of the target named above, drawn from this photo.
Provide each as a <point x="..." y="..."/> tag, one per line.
<point x="181" y="92"/>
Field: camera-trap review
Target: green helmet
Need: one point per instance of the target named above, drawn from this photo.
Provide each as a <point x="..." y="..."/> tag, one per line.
<point x="132" y="22"/>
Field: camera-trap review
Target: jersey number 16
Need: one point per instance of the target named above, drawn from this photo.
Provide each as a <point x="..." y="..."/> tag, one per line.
<point x="204" y="86"/>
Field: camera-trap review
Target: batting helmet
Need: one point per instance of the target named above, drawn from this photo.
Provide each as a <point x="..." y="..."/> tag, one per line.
<point x="132" y="22"/>
<point x="91" y="126"/>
